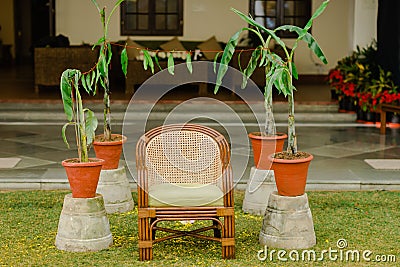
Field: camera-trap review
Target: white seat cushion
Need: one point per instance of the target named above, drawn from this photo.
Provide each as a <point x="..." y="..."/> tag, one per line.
<point x="174" y="194"/>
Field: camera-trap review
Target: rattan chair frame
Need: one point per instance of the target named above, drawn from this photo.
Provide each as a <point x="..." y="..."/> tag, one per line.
<point x="222" y="217"/>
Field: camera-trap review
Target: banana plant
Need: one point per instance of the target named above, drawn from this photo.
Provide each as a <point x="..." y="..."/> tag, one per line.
<point x="83" y="119"/>
<point x="279" y="72"/>
<point x="99" y="75"/>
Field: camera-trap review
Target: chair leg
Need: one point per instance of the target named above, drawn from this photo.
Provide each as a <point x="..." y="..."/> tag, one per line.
<point x="153" y="232"/>
<point x="228" y="240"/>
<point x="145" y="242"/>
<point x="217" y="230"/>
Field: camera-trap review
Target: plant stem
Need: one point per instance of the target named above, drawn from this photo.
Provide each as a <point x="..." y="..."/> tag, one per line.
<point x="82" y="145"/>
<point x="292" y="139"/>
<point x="269" y="116"/>
<point x="107" y="115"/>
<point x="106" y="99"/>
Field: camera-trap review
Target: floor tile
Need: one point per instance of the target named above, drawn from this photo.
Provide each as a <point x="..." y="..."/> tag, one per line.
<point x="8" y="163"/>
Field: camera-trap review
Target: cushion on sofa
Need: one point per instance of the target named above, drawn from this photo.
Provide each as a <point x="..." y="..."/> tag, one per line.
<point x="170" y="194"/>
<point x="173" y="45"/>
<point x="210" y="48"/>
<point x="133" y="49"/>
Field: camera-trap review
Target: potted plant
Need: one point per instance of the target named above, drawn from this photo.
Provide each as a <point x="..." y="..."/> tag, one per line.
<point x="268" y="141"/>
<point x="279" y="73"/>
<point x="82" y="172"/>
<point x="113" y="183"/>
<point x="107" y="146"/>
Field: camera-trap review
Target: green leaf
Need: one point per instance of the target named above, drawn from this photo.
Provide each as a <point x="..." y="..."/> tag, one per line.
<point x="294" y="71"/>
<point x="239" y="61"/>
<point x="99" y="42"/>
<point x="64" y="136"/>
<point x="171" y="64"/>
<point x="90" y="125"/>
<point x="318" y="12"/>
<point x="124" y="61"/>
<point x="157" y="63"/>
<point x="308" y="38"/>
<point x="97" y="5"/>
<point x="97" y="77"/>
<point x="263" y="58"/>
<point x="94" y="74"/>
<point x="189" y="63"/>
<point x="284" y="82"/>
<point x="215" y="61"/>
<point x="83" y="81"/>
<point x="88" y="84"/>
<point x="109" y="54"/>
<point x="102" y="83"/>
<point x="102" y="66"/>
<point x="147" y="61"/>
<point x="259" y="26"/>
<point x="270" y="80"/>
<point x="252" y="65"/>
<point x="66" y="85"/>
<point x="117" y="3"/>
<point x="226" y="58"/>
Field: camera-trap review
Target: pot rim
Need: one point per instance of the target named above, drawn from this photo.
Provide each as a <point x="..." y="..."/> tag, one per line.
<point x="91" y="163"/>
<point x="278" y="135"/>
<point x="110" y="143"/>
<point x="290" y="161"/>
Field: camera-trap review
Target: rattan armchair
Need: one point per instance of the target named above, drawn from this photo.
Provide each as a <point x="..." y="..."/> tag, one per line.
<point x="184" y="174"/>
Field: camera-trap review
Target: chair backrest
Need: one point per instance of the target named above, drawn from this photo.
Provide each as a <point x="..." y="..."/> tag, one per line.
<point x="182" y="156"/>
<point x="183" y="153"/>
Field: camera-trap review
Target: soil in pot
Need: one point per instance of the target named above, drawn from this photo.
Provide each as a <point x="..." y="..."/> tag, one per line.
<point x="263" y="146"/>
<point x="83" y="177"/>
<point x="110" y="151"/>
<point x="290" y="172"/>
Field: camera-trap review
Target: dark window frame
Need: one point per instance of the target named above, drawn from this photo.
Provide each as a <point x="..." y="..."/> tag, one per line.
<point x="281" y="18"/>
<point x="151" y="29"/>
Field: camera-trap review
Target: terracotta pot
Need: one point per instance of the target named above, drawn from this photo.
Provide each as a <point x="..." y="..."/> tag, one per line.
<point x="264" y="146"/>
<point x="83" y="176"/>
<point x="290" y="175"/>
<point x="110" y="151"/>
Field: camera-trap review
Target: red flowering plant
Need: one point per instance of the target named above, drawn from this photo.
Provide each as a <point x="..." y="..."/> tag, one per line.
<point x="353" y="72"/>
<point x="378" y="91"/>
<point x="360" y="78"/>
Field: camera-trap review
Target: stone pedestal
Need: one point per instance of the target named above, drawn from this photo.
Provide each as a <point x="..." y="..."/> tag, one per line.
<point x="114" y="186"/>
<point x="83" y="225"/>
<point x="288" y="223"/>
<point x="259" y="186"/>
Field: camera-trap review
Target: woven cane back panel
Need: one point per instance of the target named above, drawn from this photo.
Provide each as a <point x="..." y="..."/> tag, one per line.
<point x="183" y="157"/>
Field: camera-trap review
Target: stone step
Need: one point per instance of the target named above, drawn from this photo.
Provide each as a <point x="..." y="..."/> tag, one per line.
<point x="53" y="112"/>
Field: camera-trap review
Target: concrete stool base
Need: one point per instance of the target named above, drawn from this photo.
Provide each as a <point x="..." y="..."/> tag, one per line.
<point x="288" y="223"/>
<point x="83" y="225"/>
<point x="259" y="186"/>
<point x="114" y="186"/>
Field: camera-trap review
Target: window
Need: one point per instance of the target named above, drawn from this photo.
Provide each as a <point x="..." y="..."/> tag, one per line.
<point x="152" y="17"/>
<point x="274" y="13"/>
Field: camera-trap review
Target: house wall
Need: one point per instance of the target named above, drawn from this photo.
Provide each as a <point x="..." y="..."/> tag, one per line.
<point x="202" y="19"/>
<point x="365" y="22"/>
<point x="344" y="25"/>
<point x="333" y="31"/>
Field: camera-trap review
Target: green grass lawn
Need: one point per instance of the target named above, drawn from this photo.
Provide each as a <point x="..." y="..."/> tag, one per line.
<point x="367" y="220"/>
